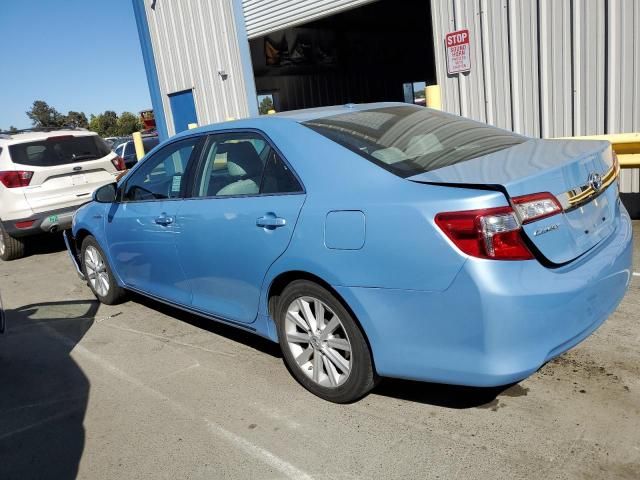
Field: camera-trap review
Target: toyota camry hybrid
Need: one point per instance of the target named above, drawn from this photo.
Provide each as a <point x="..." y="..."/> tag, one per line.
<point x="370" y="241"/>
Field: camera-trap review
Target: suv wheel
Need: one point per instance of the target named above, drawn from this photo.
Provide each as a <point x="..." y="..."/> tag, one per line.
<point x="10" y="248"/>
<point x="98" y="273"/>
<point x="322" y="345"/>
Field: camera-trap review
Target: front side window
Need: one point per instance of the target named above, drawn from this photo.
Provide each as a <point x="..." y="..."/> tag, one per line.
<point x="243" y="164"/>
<point x="162" y="175"/>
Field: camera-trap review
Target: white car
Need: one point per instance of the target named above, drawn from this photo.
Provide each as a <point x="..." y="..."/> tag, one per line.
<point x="45" y="175"/>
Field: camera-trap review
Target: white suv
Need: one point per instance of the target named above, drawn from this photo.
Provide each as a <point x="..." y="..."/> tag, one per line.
<point x="45" y="175"/>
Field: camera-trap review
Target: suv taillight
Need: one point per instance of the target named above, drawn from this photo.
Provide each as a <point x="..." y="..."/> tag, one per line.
<point x="118" y="162"/>
<point x="493" y="233"/>
<point x="15" y="178"/>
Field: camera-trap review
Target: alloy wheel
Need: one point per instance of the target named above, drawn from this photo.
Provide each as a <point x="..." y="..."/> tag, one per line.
<point x="96" y="271"/>
<point x="318" y="341"/>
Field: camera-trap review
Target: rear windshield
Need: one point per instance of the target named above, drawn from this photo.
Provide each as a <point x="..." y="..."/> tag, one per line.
<point x="409" y="140"/>
<point x="59" y="151"/>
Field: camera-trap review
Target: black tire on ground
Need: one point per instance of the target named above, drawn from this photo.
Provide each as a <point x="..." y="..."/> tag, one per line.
<point x="10" y="248"/>
<point x="362" y="377"/>
<point x="115" y="294"/>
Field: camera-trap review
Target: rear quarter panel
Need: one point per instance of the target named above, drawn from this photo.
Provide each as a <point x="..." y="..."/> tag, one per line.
<point x="402" y="249"/>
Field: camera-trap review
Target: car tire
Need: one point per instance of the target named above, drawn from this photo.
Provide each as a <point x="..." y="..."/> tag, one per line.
<point x="322" y="345"/>
<point x="10" y="248"/>
<point x="98" y="273"/>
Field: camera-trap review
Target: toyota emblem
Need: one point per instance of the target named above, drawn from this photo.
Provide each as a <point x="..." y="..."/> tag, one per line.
<point x="595" y="181"/>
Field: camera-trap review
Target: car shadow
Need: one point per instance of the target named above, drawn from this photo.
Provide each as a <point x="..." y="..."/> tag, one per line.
<point x="448" y="396"/>
<point x="44" y="244"/>
<point x="43" y="391"/>
<point x="232" y="333"/>
<point x="441" y="395"/>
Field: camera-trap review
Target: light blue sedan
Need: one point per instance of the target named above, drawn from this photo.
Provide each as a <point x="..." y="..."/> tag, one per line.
<point x="371" y="240"/>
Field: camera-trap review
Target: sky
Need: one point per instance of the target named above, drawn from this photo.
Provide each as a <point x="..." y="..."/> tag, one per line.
<point x="81" y="55"/>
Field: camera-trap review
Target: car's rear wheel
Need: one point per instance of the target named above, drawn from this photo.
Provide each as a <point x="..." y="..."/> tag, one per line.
<point x="322" y="345"/>
<point x="10" y="248"/>
<point x="98" y="273"/>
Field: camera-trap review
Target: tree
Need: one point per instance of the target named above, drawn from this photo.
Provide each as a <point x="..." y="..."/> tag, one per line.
<point x="265" y="105"/>
<point x="13" y="129"/>
<point x="128" y="123"/>
<point x="42" y="115"/>
<point x="105" y="124"/>
<point x="76" y="119"/>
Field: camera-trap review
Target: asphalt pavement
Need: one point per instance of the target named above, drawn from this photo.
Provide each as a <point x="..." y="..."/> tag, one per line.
<point x="141" y="390"/>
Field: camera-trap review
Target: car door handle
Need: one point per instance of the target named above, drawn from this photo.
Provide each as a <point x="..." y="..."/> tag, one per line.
<point x="270" y="221"/>
<point x="164" y="220"/>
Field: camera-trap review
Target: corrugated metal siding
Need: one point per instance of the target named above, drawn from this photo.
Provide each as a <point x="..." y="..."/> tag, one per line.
<point x="192" y="40"/>
<point x="546" y="68"/>
<point x="265" y="16"/>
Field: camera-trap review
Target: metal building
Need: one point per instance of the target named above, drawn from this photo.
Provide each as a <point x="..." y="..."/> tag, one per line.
<point x="544" y="68"/>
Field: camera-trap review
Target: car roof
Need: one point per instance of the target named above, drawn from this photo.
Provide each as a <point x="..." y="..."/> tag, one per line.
<point x="307" y="114"/>
<point x="40" y="135"/>
<point x="297" y="116"/>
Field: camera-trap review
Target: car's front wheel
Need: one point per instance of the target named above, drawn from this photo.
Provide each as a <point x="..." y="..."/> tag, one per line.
<point x="322" y="344"/>
<point x="10" y="248"/>
<point x="98" y="273"/>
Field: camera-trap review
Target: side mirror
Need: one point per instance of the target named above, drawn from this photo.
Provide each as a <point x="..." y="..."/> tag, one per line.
<point x="106" y="193"/>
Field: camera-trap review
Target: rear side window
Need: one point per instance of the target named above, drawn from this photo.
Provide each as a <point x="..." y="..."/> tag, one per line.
<point x="129" y="148"/>
<point x="60" y="150"/>
<point x="410" y="140"/>
<point x="149" y="144"/>
<point x="243" y="164"/>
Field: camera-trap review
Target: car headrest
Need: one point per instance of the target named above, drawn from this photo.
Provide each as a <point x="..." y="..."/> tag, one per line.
<point x="242" y="159"/>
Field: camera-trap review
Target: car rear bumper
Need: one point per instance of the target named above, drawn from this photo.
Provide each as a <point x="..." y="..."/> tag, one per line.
<point x="499" y="321"/>
<point x="52" y="221"/>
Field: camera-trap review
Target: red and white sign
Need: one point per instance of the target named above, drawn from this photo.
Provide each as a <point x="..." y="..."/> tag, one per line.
<point x="458" y="51"/>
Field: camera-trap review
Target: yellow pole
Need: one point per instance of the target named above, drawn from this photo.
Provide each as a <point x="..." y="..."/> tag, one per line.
<point x="137" y="142"/>
<point x="432" y="96"/>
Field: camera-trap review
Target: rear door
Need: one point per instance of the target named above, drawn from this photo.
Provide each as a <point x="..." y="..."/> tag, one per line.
<point x="66" y="169"/>
<point x="245" y="204"/>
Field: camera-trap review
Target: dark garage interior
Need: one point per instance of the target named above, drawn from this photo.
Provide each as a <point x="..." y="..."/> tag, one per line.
<point x="382" y="51"/>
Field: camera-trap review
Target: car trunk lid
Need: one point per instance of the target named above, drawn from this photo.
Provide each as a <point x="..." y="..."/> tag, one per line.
<point x="580" y="174"/>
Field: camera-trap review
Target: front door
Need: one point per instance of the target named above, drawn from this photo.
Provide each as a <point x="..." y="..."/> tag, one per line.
<point x="244" y="207"/>
<point x="141" y="229"/>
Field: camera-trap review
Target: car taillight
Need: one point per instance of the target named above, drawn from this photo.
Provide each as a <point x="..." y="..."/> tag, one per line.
<point x="16" y="178"/>
<point x="536" y="206"/>
<point x="493" y="233"/>
<point x="118" y="162"/>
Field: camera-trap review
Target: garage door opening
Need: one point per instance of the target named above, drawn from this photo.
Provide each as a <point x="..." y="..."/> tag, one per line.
<point x="382" y="51"/>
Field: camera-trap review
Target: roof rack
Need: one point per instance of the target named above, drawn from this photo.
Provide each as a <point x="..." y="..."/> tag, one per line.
<point x="42" y="129"/>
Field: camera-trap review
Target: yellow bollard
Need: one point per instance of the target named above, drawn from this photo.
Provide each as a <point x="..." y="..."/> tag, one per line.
<point x="432" y="95"/>
<point x="191" y="126"/>
<point x="137" y="142"/>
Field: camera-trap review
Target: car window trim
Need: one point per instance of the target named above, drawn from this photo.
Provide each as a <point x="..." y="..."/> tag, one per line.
<point x="195" y="154"/>
<point x="205" y="148"/>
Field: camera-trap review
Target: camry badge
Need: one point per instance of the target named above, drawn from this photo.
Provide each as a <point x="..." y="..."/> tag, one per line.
<point x="595" y="181"/>
<point x="547" y="229"/>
